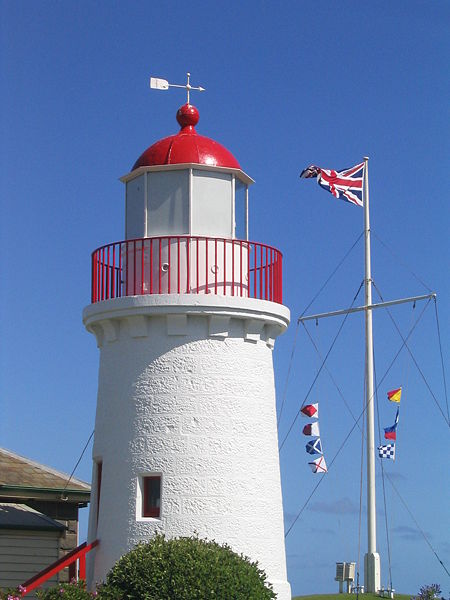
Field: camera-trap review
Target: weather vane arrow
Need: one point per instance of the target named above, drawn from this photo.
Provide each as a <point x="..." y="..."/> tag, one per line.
<point x="162" y="84"/>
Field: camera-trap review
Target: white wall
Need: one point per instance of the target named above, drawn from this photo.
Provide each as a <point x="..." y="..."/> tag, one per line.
<point x="187" y="390"/>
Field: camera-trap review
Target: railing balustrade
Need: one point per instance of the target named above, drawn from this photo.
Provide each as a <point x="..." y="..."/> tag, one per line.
<point x="69" y="560"/>
<point x="187" y="265"/>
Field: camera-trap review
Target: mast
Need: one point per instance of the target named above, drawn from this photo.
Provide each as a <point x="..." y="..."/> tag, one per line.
<point x="372" y="571"/>
<point x="372" y="558"/>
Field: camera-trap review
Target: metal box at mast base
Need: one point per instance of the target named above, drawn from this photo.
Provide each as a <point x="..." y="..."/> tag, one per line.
<point x="186" y="311"/>
<point x="345" y="572"/>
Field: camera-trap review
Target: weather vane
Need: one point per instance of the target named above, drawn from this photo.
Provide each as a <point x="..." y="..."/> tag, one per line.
<point x="163" y="84"/>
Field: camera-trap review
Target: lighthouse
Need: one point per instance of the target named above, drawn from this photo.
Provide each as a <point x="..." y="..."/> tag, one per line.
<point x="185" y="311"/>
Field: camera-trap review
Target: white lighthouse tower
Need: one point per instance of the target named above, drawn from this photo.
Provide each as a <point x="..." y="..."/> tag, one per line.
<point x="185" y="312"/>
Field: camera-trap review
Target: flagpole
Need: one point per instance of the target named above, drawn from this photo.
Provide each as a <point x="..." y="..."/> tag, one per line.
<point x="372" y="558"/>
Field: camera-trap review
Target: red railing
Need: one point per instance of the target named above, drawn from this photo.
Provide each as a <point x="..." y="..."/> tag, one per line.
<point x="68" y="560"/>
<point x="187" y="265"/>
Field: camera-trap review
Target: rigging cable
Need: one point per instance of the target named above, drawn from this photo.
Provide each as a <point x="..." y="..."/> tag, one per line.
<point x="330" y="374"/>
<point x="287" y="375"/>
<point x="389" y="479"/>
<point x="442" y="357"/>
<point x="362" y="449"/>
<point x="361" y="475"/>
<point x="412" y="356"/>
<point x="329" y="466"/>
<point x="321" y="479"/>
<point x="380" y="441"/>
<point x="356" y="420"/>
<point x="401" y="262"/>
<point x="404" y="343"/>
<point x="320" y="369"/>
<point x="404" y="340"/>
<point x="326" y="357"/>
<point x="304" y="310"/>
<point x="417" y="525"/>
<point x="386" y="524"/>
<point x="333" y="273"/>
<point x="78" y="462"/>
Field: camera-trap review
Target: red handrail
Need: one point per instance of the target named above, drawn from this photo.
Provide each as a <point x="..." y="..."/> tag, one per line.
<point x="151" y="266"/>
<point x="40" y="578"/>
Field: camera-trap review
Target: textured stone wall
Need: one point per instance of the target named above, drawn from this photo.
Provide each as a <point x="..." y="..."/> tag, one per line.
<point x="190" y="396"/>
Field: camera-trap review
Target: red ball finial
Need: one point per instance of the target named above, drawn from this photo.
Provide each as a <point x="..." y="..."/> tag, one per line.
<point x="188" y="116"/>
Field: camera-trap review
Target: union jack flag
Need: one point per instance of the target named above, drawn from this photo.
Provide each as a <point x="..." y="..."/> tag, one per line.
<point x="346" y="184"/>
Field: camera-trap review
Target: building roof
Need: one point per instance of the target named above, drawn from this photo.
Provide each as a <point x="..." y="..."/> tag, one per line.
<point x="18" y="473"/>
<point x="187" y="147"/>
<point x="20" y="516"/>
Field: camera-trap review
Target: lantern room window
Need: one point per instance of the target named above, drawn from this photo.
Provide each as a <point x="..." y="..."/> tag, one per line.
<point x="240" y="212"/>
<point x="168" y="203"/>
<point x="151" y="496"/>
<point x="135" y="209"/>
<point x="186" y="202"/>
<point x="212" y="204"/>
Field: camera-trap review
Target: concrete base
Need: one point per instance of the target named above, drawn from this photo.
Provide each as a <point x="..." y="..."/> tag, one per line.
<point x="372" y="572"/>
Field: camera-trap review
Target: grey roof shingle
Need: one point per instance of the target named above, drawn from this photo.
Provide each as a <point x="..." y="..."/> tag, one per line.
<point x="20" y="516"/>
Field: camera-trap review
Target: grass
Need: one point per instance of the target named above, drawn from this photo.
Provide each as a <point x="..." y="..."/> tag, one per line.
<point x="349" y="597"/>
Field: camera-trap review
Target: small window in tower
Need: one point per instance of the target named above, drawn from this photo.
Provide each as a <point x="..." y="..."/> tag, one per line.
<point x="151" y="496"/>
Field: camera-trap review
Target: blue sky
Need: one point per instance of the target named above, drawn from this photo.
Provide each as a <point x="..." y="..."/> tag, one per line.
<point x="288" y="84"/>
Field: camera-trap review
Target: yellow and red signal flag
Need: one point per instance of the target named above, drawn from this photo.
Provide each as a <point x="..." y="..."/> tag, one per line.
<point x="395" y="395"/>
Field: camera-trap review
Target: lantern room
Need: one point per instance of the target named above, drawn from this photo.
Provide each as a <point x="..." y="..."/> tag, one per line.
<point x="186" y="226"/>
<point x="187" y="184"/>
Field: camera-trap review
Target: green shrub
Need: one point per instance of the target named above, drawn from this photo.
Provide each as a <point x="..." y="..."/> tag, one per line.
<point x="184" y="569"/>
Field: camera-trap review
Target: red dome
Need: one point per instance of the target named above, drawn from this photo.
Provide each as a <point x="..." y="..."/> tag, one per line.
<point x="187" y="146"/>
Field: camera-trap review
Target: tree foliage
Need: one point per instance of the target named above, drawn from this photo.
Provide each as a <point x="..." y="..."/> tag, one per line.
<point x="428" y="592"/>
